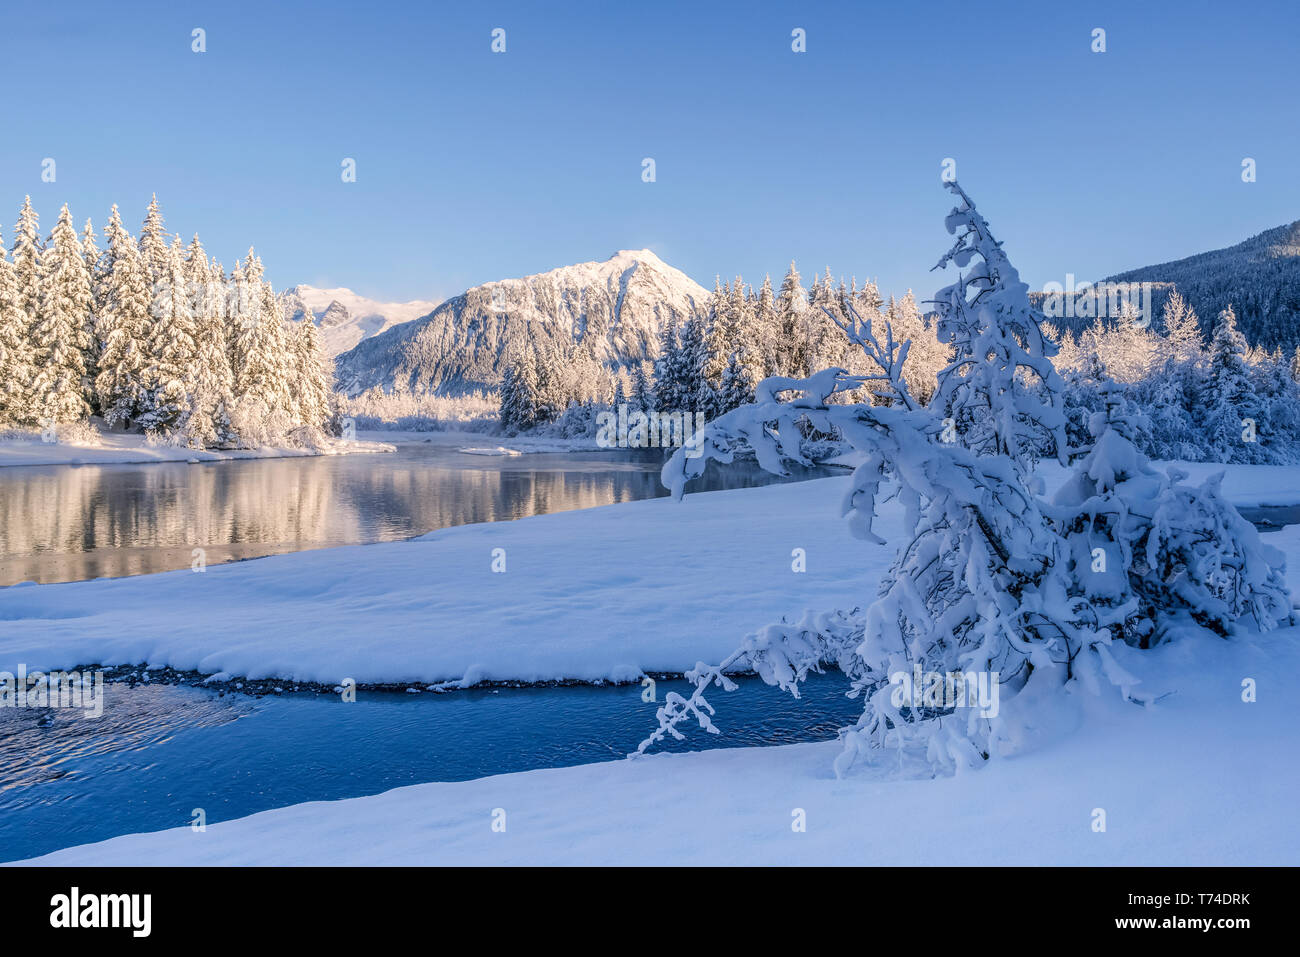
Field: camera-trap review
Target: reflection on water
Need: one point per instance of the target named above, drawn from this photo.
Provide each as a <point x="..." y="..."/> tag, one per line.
<point x="65" y="523"/>
<point x="157" y="753"/>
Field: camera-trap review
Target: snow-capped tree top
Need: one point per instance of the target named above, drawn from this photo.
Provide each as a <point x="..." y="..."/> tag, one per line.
<point x="1001" y="389"/>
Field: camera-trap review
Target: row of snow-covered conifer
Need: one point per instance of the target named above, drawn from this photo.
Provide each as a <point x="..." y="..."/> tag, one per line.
<point x="711" y="361"/>
<point x="1220" y="401"/>
<point x="150" y="334"/>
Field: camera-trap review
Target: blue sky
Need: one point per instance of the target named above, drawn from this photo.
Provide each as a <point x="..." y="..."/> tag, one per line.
<point x="474" y="166"/>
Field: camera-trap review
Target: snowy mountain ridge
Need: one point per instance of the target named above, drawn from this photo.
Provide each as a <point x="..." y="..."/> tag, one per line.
<point x="346" y="318"/>
<point x="1259" y="278"/>
<point x="616" y="308"/>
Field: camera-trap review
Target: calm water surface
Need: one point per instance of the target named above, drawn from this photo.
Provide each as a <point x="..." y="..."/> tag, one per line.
<point x="66" y="523"/>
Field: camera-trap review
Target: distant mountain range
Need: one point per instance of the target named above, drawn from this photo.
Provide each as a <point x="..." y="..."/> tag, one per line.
<point x="617" y="308"/>
<point x="344" y="318"/>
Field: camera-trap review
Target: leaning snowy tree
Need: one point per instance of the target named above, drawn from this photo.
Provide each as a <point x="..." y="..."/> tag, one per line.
<point x="990" y="578"/>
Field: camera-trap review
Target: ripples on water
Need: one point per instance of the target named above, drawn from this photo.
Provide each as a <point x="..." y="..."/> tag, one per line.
<point x="158" y="752"/>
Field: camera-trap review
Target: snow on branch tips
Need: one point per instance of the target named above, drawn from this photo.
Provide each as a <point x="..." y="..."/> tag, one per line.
<point x="991" y="582"/>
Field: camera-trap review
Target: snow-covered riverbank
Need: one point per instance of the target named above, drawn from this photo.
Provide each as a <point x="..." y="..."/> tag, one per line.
<point x="1202" y="778"/>
<point x="597" y="594"/>
<point x="119" y="448"/>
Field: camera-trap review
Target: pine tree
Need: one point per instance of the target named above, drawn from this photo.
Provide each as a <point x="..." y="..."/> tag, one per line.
<point x="1231" y="409"/>
<point x="58" y="337"/>
<point x="170" y="347"/>
<point x="519" y="396"/>
<point x="154" y="245"/>
<point x="737" y="386"/>
<point x="767" y="329"/>
<point x="283" y="362"/>
<point x="791" y="303"/>
<point x="95" y="270"/>
<point x="122" y="325"/>
<point x="15" y="352"/>
<point x="692" y="387"/>
<point x="1183" y="338"/>
<point x="719" y="330"/>
<point x="26" y="257"/>
<point x="642" y="398"/>
<point x="1000" y="392"/>
<point x="313" y="375"/>
<point x="206" y="421"/>
<point x="552" y="396"/>
<point x="1146" y="552"/>
<point x="250" y="342"/>
<point x="667" y="385"/>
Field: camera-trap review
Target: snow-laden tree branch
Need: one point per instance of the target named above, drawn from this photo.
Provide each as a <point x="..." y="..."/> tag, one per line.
<point x="990" y="579"/>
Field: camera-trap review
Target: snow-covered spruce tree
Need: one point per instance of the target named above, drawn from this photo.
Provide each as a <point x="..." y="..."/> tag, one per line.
<point x="1231" y="412"/>
<point x="1183" y="339"/>
<point x="59" y="335"/>
<point x="692" y="387"/>
<point x="1000" y="392"/>
<point x="122" y="326"/>
<point x="26" y="257"/>
<point x="256" y="362"/>
<point x="668" y="365"/>
<point x="791" y="303"/>
<point x="95" y="271"/>
<point x="1280" y="396"/>
<point x="641" y="396"/>
<point x="154" y="244"/>
<point x="518" y="396"/>
<point x="284" y="363"/>
<point x="737" y="386"/>
<point x="552" y="390"/>
<point x="170" y="348"/>
<point x="985" y="581"/>
<point x="206" y="421"/>
<point x="1150" y="553"/>
<point x="718" y="332"/>
<point x="1170" y="393"/>
<point x="15" y="352"/>
<point x="766" y="331"/>
<point x="313" y="374"/>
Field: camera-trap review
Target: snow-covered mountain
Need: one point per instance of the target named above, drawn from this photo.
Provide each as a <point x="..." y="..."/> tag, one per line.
<point x="617" y="307"/>
<point x="345" y="318"/>
<point x="1260" y="278"/>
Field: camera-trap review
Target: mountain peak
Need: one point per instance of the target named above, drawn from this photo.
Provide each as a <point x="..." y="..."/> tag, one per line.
<point x="640" y="255"/>
<point x="615" y="309"/>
